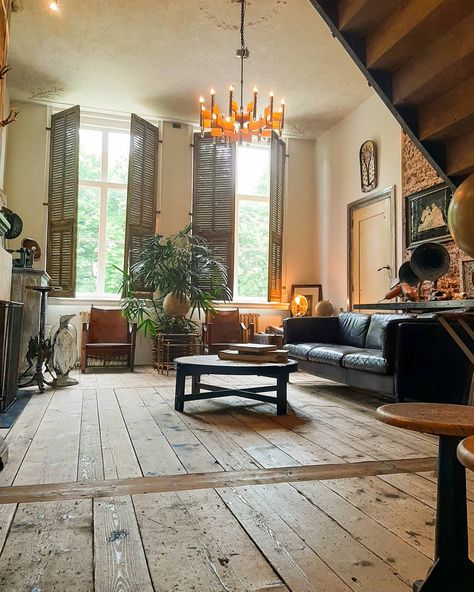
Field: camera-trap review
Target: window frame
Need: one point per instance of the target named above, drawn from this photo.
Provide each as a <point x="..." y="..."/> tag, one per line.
<point x="106" y="127"/>
<point x="248" y="197"/>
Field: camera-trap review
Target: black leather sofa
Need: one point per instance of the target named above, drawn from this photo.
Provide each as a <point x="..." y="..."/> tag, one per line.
<point x="398" y="355"/>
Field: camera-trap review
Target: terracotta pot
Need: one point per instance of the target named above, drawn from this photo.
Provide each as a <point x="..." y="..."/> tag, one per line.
<point x="176" y="305"/>
<point x="324" y="309"/>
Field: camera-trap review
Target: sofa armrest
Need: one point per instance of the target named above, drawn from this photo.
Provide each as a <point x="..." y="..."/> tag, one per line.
<point x="429" y="366"/>
<point x="311" y="329"/>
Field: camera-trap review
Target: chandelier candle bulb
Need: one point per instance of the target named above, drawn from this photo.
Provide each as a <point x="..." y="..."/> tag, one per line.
<point x="213" y="95"/>
<point x="201" y="109"/>
<point x="231" y="92"/>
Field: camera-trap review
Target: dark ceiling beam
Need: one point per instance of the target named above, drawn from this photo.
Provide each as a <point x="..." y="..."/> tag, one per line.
<point x="450" y="114"/>
<point x="360" y="16"/>
<point x="412" y="27"/>
<point x="460" y="155"/>
<point x="381" y="82"/>
<point x="441" y="66"/>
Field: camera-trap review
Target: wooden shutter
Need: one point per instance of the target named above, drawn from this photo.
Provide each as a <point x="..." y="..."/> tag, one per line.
<point x="141" y="190"/>
<point x="277" y="193"/>
<point x="214" y="199"/>
<point x="62" y="200"/>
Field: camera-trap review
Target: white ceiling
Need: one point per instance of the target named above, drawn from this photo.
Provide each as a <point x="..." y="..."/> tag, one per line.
<point x="155" y="57"/>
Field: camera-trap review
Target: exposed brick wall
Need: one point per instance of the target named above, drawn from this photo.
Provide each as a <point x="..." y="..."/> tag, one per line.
<point x="418" y="174"/>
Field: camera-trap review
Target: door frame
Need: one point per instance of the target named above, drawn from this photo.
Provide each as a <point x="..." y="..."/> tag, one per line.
<point x="388" y="192"/>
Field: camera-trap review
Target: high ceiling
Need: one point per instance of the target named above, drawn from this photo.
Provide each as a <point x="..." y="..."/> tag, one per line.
<point x="155" y="57"/>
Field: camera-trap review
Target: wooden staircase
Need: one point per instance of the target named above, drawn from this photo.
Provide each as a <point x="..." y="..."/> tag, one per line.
<point x="418" y="55"/>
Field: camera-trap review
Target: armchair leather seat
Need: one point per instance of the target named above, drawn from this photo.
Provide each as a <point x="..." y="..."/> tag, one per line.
<point x="367" y="360"/>
<point x="331" y="354"/>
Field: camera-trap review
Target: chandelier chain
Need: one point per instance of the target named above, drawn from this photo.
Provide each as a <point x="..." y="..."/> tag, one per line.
<point x="242" y="20"/>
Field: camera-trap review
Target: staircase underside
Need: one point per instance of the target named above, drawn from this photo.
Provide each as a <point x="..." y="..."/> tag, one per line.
<point x="418" y="55"/>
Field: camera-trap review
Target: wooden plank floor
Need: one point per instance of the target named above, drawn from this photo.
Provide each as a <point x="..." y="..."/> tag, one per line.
<point x="337" y="535"/>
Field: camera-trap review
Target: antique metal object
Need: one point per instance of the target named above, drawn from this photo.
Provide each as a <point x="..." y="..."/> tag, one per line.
<point x="461" y="216"/>
<point x="16" y="224"/>
<point x="64" y="352"/>
<point x="39" y="349"/>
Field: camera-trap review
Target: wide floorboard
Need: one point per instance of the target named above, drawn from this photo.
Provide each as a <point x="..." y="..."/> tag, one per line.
<point x="317" y="534"/>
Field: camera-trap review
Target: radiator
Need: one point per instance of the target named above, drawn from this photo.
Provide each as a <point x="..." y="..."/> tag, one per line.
<point x="11" y="316"/>
<point x="247" y="318"/>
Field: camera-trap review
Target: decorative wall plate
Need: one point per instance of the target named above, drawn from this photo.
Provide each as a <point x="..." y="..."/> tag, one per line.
<point x="368" y="166"/>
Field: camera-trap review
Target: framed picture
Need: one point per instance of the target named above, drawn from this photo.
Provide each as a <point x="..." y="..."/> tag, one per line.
<point x="368" y="166"/>
<point x="312" y="292"/>
<point x="467" y="277"/>
<point x="427" y="216"/>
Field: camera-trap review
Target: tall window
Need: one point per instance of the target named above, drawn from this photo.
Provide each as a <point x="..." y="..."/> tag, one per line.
<point x="103" y="175"/>
<point x="252" y="222"/>
<point x="238" y="206"/>
<point x="102" y="205"/>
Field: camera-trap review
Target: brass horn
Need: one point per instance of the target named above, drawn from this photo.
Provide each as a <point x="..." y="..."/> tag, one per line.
<point x="407" y="275"/>
<point x="430" y="261"/>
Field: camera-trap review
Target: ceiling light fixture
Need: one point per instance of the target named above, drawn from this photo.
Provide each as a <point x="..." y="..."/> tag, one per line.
<point x="240" y="125"/>
<point x="54" y="6"/>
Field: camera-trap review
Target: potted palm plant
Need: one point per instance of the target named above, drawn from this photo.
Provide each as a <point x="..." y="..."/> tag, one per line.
<point x="184" y="277"/>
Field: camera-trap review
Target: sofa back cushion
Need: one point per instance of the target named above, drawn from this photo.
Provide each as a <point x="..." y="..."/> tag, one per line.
<point x="376" y="333"/>
<point x="353" y="328"/>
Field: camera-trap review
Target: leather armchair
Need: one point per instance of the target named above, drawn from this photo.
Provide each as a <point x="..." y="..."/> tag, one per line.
<point x="222" y="328"/>
<point x="108" y="337"/>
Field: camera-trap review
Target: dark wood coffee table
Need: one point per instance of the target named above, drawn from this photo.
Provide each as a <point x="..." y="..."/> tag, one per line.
<point x="196" y="366"/>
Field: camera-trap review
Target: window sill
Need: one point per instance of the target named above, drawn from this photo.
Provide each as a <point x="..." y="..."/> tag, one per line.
<point x="102" y="300"/>
<point x="243" y="304"/>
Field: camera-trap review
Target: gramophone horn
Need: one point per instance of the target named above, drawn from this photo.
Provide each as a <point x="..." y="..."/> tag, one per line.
<point x="430" y="261"/>
<point x="406" y="275"/>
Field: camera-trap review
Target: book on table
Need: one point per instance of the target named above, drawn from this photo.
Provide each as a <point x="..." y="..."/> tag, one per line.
<point x="253" y="348"/>
<point x="276" y="356"/>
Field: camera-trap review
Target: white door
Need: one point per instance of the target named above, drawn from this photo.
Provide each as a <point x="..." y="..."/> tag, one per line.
<point x="371" y="251"/>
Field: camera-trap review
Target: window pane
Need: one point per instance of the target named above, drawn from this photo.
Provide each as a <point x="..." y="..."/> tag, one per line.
<point x="90" y="154"/>
<point x="252" y="249"/>
<point x="253" y="170"/>
<point x="115" y="239"/>
<point x="87" y="239"/>
<point x="119" y="147"/>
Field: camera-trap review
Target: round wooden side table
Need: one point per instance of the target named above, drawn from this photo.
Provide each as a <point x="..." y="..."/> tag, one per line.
<point x="452" y="568"/>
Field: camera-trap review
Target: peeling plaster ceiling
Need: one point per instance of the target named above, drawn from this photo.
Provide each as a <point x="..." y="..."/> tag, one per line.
<point x="156" y="57"/>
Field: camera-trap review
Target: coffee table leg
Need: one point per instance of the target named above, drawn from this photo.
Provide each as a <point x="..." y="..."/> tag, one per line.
<point x="179" y="389"/>
<point x="195" y="379"/>
<point x="282" y="382"/>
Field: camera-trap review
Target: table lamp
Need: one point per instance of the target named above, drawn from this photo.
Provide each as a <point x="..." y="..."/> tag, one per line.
<point x="299" y="305"/>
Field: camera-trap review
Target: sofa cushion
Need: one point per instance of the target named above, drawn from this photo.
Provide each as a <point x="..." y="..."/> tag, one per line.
<point x="353" y="328"/>
<point x="300" y="350"/>
<point x="378" y="324"/>
<point x="330" y="354"/>
<point x="367" y="360"/>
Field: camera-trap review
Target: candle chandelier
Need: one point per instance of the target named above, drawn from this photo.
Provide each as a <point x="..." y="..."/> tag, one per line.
<point x="238" y="124"/>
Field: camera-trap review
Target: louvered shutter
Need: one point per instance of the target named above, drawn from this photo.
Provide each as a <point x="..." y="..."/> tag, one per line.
<point x="62" y="200"/>
<point x="141" y="191"/>
<point x="214" y="199"/>
<point x="277" y="193"/>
